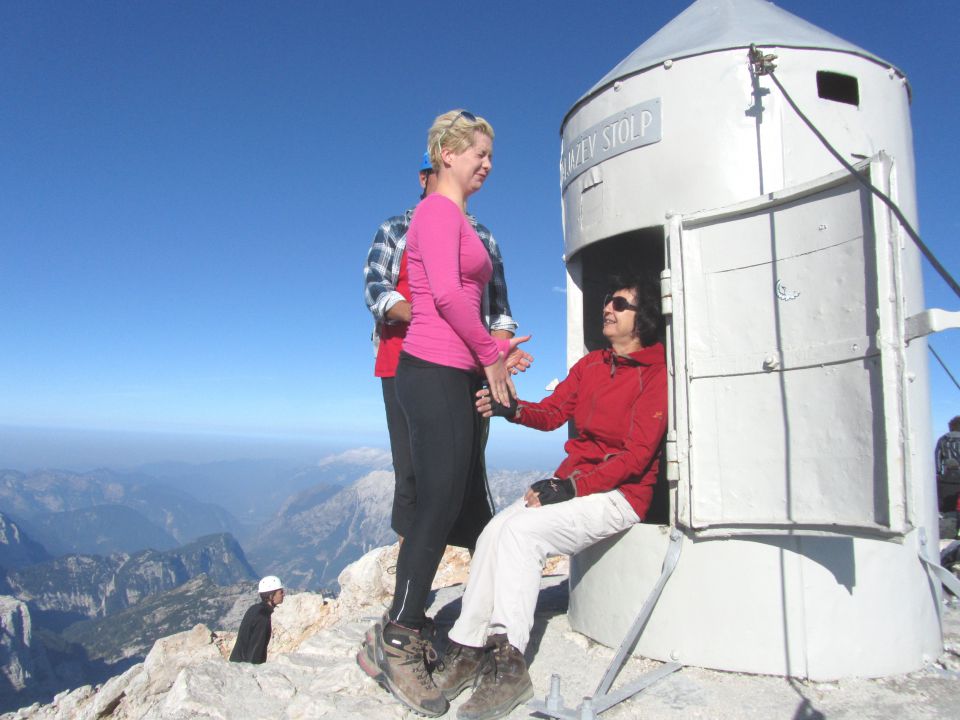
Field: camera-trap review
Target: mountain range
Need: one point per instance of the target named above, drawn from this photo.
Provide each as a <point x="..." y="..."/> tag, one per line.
<point x="318" y="532"/>
<point x="77" y="587"/>
<point x="37" y="500"/>
<point x="97" y="565"/>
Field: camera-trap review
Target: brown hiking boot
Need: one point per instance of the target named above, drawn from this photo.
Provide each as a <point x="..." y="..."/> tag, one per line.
<point x="458" y="669"/>
<point x="504" y="683"/>
<point x="366" y="655"/>
<point x="401" y="655"/>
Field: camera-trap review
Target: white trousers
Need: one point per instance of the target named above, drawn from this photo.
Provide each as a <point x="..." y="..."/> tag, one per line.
<point x="501" y="594"/>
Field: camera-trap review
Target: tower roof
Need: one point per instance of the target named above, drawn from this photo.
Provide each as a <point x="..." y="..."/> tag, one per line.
<point x="713" y="25"/>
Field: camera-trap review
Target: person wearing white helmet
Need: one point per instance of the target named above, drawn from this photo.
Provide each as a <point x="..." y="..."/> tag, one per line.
<point x="254" y="633"/>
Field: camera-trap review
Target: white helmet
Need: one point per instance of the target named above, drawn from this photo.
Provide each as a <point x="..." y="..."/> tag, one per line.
<point x="269" y="584"/>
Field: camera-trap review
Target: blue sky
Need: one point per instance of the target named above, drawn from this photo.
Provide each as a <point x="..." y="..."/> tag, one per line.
<point x="188" y="191"/>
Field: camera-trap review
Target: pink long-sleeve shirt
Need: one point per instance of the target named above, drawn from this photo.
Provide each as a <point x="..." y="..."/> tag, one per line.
<point x="448" y="267"/>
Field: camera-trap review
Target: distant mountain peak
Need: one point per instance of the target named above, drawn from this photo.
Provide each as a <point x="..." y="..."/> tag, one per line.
<point x="17" y="549"/>
<point x="365" y="456"/>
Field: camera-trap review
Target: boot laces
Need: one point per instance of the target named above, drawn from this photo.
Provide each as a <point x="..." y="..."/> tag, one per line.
<point x="449" y="656"/>
<point x="419" y="653"/>
<point x="489" y="671"/>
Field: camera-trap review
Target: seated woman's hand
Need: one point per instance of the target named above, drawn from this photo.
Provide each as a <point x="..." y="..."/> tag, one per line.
<point x="487" y="406"/>
<point x="553" y="490"/>
<point x="531" y="499"/>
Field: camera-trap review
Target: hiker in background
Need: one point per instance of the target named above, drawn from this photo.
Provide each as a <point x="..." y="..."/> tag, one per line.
<point x="254" y="633"/>
<point x="946" y="461"/>
<point x="386" y="291"/>
<point x="617" y="400"/>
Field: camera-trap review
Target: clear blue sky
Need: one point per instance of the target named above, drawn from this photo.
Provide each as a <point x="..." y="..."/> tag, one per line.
<point x="188" y="191"/>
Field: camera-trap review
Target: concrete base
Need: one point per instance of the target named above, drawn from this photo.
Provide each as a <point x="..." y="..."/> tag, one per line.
<point x="812" y="607"/>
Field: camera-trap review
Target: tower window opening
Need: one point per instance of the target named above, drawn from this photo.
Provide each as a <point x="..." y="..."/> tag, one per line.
<point x="838" y="87"/>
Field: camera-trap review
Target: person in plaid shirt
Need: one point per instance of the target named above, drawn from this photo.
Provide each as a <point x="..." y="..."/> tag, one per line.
<point x="947" y="462"/>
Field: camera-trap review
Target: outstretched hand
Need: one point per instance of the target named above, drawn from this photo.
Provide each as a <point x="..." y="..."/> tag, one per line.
<point x="518" y="360"/>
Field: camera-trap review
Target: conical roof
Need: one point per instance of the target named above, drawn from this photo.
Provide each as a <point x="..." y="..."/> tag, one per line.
<point x="714" y="25"/>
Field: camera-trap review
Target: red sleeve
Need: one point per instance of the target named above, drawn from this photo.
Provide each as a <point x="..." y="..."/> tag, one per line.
<point x="648" y="423"/>
<point x="555" y="409"/>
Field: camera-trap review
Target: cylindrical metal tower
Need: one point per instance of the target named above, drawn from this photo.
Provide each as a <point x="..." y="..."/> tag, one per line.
<point x="799" y="423"/>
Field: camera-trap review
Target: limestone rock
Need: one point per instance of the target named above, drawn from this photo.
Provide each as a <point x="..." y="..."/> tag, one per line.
<point x="25" y="666"/>
<point x="310" y="671"/>
<point x="17" y="549"/>
<point x="301" y="616"/>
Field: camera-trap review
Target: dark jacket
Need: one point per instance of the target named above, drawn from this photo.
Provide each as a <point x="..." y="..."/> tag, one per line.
<point x="254" y="634"/>
<point x="618" y="405"/>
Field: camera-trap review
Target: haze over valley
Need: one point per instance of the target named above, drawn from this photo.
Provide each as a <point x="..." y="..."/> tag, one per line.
<point x="96" y="565"/>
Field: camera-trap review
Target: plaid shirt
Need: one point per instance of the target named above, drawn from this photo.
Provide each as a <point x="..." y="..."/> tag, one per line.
<point x="382" y="269"/>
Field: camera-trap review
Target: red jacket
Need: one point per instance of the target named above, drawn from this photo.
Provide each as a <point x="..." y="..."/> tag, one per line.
<point x="618" y="405"/>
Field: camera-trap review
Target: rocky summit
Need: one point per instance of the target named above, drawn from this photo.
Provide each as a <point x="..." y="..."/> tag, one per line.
<point x="310" y="671"/>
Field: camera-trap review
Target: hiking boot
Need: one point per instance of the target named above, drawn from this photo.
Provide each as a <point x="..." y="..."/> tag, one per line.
<point x="504" y="683"/>
<point x="457" y="669"/>
<point x="366" y="657"/>
<point x="374" y="631"/>
<point x="401" y="655"/>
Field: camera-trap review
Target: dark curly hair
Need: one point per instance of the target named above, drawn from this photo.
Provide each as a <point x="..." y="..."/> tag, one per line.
<point x="649" y="325"/>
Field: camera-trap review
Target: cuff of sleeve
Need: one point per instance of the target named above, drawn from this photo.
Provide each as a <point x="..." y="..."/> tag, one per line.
<point x="504" y="322"/>
<point x="500" y="345"/>
<point x="384" y="305"/>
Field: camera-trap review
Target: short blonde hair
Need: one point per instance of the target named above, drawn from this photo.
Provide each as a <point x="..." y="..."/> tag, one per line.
<point x="455" y="132"/>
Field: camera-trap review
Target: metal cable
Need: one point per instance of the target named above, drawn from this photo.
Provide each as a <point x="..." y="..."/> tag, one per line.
<point x="763" y="65"/>
<point x="943" y="365"/>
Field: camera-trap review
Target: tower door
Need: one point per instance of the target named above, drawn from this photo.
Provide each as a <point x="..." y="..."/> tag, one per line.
<point x="787" y="344"/>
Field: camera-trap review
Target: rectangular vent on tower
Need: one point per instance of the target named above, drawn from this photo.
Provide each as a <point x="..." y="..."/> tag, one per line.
<point x="837" y="87"/>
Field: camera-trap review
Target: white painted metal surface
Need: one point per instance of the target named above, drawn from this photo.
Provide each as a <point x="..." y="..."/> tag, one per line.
<point x="794" y="421"/>
<point x="799" y="429"/>
<point x="712" y="25"/>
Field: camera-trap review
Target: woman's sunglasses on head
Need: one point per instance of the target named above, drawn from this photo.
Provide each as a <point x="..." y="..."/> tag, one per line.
<point x="466" y="115"/>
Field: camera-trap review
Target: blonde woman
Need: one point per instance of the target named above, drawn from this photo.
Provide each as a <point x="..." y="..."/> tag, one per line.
<point x="446" y="351"/>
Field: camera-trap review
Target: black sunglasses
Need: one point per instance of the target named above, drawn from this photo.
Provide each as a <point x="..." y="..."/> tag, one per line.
<point x="465" y="114"/>
<point x="620" y="303"/>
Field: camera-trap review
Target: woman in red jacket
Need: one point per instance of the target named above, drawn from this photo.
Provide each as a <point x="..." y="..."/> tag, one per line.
<point x="617" y="400"/>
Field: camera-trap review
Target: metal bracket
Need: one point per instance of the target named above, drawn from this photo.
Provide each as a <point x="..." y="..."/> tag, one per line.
<point x="670" y="455"/>
<point x="946" y="577"/>
<point x="761" y="64"/>
<point x="930" y="321"/>
<point x="602" y="699"/>
<point x="666" y="292"/>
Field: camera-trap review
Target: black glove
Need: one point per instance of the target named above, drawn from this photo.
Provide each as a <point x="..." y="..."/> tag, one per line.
<point x="553" y="490"/>
<point x="500" y="410"/>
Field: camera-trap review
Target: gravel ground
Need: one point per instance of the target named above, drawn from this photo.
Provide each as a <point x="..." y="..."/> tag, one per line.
<point x="698" y="694"/>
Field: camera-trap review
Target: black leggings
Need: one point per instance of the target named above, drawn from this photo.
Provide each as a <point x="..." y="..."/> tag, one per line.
<point x="444" y="430"/>
<point x="404" y="488"/>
